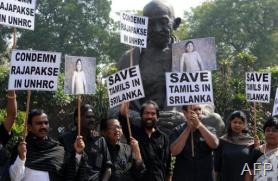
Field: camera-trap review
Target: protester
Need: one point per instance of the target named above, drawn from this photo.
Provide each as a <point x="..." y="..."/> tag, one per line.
<point x="234" y="149"/>
<point x="39" y="157"/>
<point x="95" y="163"/>
<point x="192" y="144"/>
<point x="190" y="61"/>
<point x="265" y="156"/>
<point x="154" y="145"/>
<point x="5" y="129"/>
<point x="127" y="161"/>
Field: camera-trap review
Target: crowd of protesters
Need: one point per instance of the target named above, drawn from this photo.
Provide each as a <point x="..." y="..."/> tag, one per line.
<point x="120" y="152"/>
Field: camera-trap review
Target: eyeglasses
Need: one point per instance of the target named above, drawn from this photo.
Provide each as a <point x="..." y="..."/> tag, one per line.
<point x="114" y="127"/>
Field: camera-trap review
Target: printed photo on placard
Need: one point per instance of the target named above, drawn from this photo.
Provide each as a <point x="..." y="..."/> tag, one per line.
<point x="194" y="55"/>
<point x="80" y="73"/>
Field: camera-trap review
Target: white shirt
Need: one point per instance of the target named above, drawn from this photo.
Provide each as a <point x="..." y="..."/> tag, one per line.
<point x="18" y="171"/>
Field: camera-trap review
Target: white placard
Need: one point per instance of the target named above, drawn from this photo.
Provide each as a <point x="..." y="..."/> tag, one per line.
<point x="125" y="85"/>
<point x="134" y="30"/>
<point x="258" y="85"/>
<point x="189" y="88"/>
<point x="18" y="13"/>
<point x="275" y="106"/>
<point x="34" y="70"/>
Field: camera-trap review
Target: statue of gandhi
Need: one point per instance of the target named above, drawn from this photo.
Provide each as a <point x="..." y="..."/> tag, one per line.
<point x="156" y="59"/>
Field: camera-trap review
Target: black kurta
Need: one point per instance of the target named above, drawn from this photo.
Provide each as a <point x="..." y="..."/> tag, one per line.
<point x="230" y="159"/>
<point x="94" y="161"/>
<point x="124" y="167"/>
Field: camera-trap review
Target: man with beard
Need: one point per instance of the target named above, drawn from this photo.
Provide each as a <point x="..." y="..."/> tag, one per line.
<point x="154" y="145"/>
<point x="39" y="157"/>
<point x="156" y="59"/>
<point x="95" y="163"/>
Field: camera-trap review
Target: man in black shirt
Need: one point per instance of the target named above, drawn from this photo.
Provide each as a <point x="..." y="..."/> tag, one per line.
<point x="95" y="163"/>
<point x="192" y="144"/>
<point x="6" y="127"/>
<point x="127" y="161"/>
<point x="154" y="145"/>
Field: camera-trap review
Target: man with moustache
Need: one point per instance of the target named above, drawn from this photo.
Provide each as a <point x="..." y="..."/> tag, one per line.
<point x="127" y="161"/>
<point x="154" y="144"/>
<point x="95" y="162"/>
<point x="39" y="157"/>
<point x="192" y="143"/>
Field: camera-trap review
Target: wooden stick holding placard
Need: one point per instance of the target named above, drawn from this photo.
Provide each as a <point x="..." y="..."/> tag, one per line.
<point x="14" y="38"/>
<point x="26" y="116"/>
<point x="78" y="115"/>
<point x="255" y="120"/>
<point x="127" y="116"/>
<point x="192" y="144"/>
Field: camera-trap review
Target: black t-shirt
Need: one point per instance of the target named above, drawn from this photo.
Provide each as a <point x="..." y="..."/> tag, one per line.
<point x="4" y="135"/>
<point x="187" y="167"/>
<point x="230" y="159"/>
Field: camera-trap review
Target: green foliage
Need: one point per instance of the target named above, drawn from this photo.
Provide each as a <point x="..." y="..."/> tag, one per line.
<point x="18" y="126"/>
<point x="239" y="26"/>
<point x="100" y="102"/>
<point x="182" y="32"/>
<point x="73" y="27"/>
<point x="229" y="89"/>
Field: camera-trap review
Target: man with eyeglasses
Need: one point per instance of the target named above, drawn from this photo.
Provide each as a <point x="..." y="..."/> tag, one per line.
<point x="39" y="157"/>
<point x="154" y="144"/>
<point x="127" y="161"/>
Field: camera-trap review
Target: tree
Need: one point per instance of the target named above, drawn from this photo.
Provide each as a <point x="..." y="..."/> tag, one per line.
<point x="239" y="25"/>
<point x="81" y="27"/>
<point x="246" y="39"/>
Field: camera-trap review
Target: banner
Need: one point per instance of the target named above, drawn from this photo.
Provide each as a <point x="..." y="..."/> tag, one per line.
<point x="125" y="85"/>
<point x="189" y="88"/>
<point x="134" y="30"/>
<point x="258" y="86"/>
<point x="34" y="70"/>
<point x="18" y="13"/>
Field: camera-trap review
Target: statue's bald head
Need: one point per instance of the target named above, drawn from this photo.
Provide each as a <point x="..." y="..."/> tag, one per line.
<point x="157" y="8"/>
<point x="162" y="22"/>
